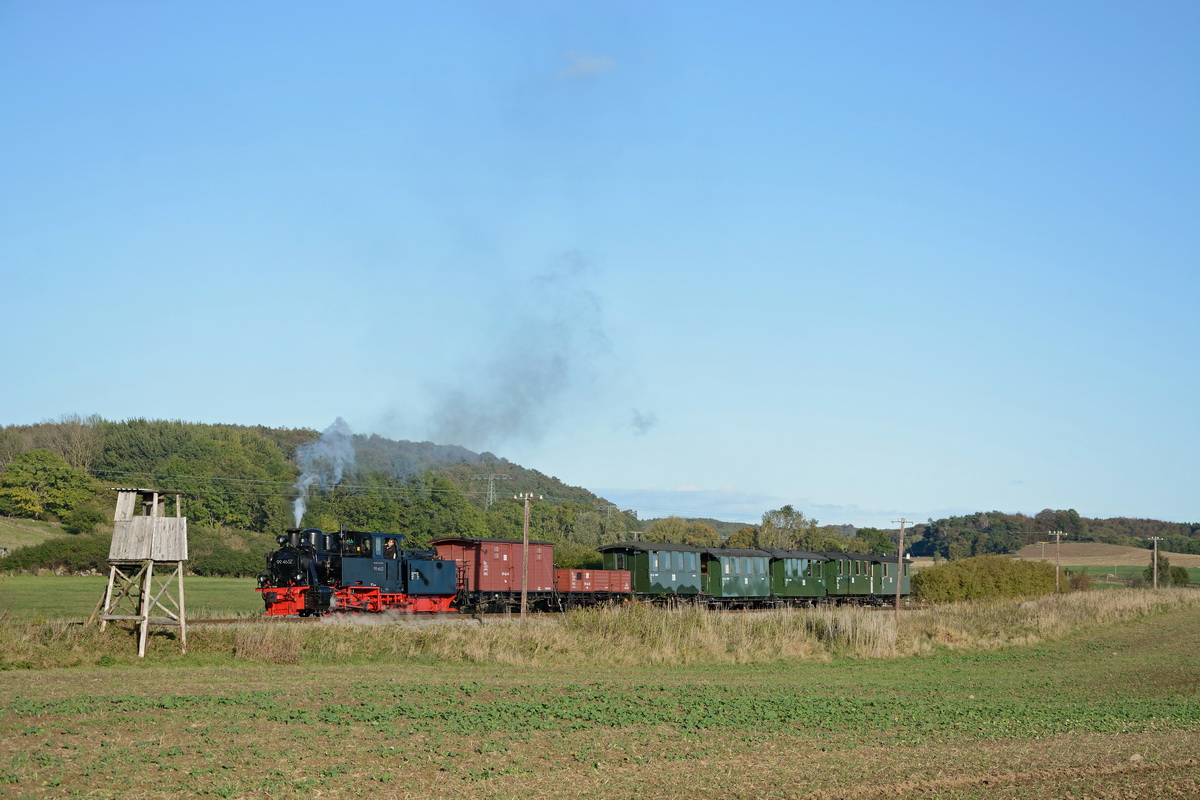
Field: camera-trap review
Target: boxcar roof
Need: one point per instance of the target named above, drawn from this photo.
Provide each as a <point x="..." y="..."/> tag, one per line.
<point x="473" y="540"/>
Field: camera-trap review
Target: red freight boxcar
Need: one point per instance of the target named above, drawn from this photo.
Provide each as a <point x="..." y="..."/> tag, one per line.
<point x="489" y="572"/>
<point x="602" y="581"/>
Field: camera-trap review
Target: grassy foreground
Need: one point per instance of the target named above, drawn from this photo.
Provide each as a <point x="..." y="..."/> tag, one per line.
<point x="1102" y="702"/>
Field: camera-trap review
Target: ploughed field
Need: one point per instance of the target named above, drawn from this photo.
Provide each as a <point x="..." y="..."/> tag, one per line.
<point x="1107" y="710"/>
<point x="1096" y="554"/>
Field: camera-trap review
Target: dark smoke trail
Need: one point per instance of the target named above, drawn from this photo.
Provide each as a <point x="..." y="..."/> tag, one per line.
<point x="555" y="354"/>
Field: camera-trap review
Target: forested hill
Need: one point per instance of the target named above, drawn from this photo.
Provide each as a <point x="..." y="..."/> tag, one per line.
<point x="248" y="477"/>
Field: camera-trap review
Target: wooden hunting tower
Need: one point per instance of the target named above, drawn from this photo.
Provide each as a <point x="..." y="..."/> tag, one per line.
<point x="140" y="543"/>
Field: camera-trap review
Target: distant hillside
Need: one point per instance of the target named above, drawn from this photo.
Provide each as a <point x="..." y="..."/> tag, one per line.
<point x="258" y="479"/>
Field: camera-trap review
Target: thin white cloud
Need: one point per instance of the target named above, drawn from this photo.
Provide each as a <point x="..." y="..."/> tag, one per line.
<point x="580" y="65"/>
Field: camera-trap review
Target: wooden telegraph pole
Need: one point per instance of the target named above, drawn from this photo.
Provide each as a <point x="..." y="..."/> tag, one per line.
<point x="527" y="497"/>
<point x="1156" y="540"/>
<point x="1057" y="543"/>
<point x="899" y="567"/>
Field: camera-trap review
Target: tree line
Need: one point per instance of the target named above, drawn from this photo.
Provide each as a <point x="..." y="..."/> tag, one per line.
<point x="982" y="533"/>
<point x="243" y="477"/>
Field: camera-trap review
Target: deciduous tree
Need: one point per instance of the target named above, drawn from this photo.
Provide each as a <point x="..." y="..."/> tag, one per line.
<point x="39" y="484"/>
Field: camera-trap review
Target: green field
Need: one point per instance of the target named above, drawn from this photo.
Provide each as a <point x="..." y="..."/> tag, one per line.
<point x="1127" y="573"/>
<point x="69" y="597"/>
<point x="1111" y="710"/>
<point x="1050" y="721"/>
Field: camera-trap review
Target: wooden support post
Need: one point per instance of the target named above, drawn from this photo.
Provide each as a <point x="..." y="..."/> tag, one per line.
<point x="144" y="607"/>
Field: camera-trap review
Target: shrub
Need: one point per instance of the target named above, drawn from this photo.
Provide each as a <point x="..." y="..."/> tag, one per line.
<point x="68" y="553"/>
<point x="83" y="519"/>
<point x="983" y="577"/>
<point x="226" y="563"/>
<point x="1079" y="581"/>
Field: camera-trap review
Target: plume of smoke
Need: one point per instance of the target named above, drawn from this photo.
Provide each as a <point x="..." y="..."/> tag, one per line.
<point x="553" y="358"/>
<point x="642" y="423"/>
<point x="323" y="462"/>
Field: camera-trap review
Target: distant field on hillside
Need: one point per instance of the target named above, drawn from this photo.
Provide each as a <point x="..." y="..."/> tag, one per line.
<point x="16" y="533"/>
<point x="1094" y="554"/>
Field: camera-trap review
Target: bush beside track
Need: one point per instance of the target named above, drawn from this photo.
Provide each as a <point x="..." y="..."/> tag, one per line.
<point x="981" y="578"/>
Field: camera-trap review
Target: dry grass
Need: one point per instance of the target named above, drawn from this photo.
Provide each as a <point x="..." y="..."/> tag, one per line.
<point x="626" y="637"/>
<point x="989" y="625"/>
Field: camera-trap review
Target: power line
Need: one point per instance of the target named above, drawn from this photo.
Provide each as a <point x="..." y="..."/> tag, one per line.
<point x="491" y="478"/>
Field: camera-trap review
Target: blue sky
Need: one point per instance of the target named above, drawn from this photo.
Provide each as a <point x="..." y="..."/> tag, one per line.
<point x="871" y="259"/>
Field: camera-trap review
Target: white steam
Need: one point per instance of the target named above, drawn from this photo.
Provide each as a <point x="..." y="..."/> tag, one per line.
<point x="323" y="462"/>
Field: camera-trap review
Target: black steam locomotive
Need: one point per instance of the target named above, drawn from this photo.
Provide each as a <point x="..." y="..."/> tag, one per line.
<point x="313" y="573"/>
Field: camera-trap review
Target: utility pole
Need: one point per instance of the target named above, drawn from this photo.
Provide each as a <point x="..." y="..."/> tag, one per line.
<point x="1156" y="540"/>
<point x="527" y="497"/>
<point x="491" y="478"/>
<point x="1043" y="544"/>
<point x="1057" y="544"/>
<point x="899" y="568"/>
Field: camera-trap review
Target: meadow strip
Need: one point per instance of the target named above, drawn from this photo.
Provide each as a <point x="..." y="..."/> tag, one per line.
<point x="618" y="637"/>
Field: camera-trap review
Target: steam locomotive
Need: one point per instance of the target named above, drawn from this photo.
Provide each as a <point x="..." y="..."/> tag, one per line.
<point x="314" y="573"/>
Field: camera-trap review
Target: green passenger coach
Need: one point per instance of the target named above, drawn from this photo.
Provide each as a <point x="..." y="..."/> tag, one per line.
<point x="735" y="574"/>
<point x="797" y="576"/>
<point x="885" y="570"/>
<point x="657" y="568"/>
